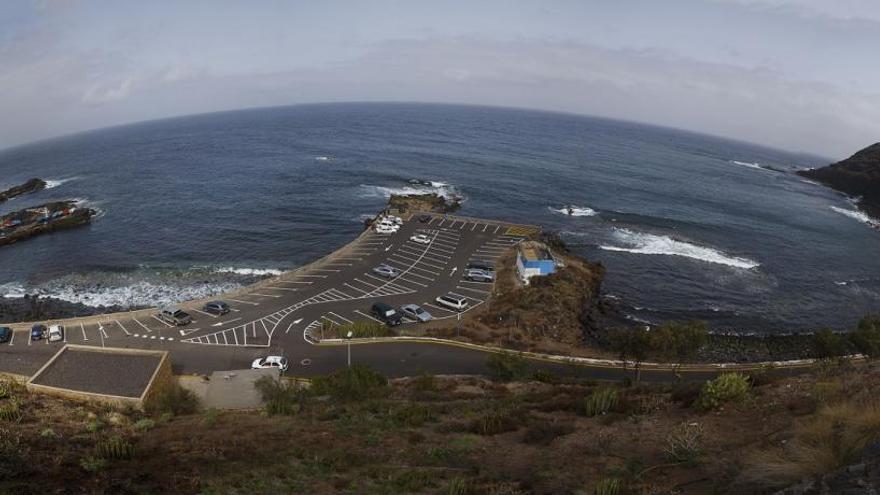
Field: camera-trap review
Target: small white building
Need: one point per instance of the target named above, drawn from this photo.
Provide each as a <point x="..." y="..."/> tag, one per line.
<point x="534" y="259"/>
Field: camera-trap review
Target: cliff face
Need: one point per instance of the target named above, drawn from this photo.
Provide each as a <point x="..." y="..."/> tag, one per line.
<point x="858" y="175"/>
<point x="30" y="186"/>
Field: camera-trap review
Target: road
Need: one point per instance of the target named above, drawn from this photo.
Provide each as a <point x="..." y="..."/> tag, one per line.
<point x="278" y="316"/>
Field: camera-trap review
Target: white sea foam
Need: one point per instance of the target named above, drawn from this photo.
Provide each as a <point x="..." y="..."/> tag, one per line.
<point x="442" y="189"/>
<point x="857" y="215"/>
<point x="324" y="158"/>
<point x="136" y="294"/>
<point x="250" y="271"/>
<point x="643" y="243"/>
<point x="754" y="165"/>
<point x="576" y="211"/>
<point x="50" y="184"/>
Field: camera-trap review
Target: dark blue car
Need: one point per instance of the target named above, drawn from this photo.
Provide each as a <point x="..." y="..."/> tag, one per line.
<point x="38" y="331"/>
<point x="5" y="334"/>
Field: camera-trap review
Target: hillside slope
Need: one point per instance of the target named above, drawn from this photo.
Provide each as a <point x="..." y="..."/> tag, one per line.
<point x="858" y="175"/>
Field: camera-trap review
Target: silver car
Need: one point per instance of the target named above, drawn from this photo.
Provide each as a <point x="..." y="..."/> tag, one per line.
<point x="479" y="276"/>
<point x="415" y="312"/>
<point x="175" y="316"/>
<point x="386" y="271"/>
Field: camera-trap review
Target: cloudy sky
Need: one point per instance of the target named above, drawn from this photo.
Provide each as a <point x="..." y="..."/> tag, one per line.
<point x="800" y="75"/>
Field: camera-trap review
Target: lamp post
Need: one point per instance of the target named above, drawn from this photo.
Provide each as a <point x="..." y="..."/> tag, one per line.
<point x="348" y="336"/>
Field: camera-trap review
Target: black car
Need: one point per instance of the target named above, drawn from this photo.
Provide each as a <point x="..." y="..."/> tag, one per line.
<point x="216" y="308"/>
<point x="424" y="218"/>
<point x="387" y="314"/>
<point x="5" y="334"/>
<point x="486" y="266"/>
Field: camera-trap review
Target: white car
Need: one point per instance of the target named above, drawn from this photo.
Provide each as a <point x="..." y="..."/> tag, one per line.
<point x="56" y="333"/>
<point x="384" y="228"/>
<point x="454" y="301"/>
<point x="421" y="239"/>
<point x="394" y="220"/>
<point x="270" y="362"/>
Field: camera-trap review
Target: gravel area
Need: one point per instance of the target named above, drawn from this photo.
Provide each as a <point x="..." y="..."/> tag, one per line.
<point x="125" y="375"/>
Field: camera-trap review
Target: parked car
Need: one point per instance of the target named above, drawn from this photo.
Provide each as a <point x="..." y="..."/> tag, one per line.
<point x="386" y="271"/>
<point x="387" y="314"/>
<point x="5" y="334"/>
<point x="424" y="218"/>
<point x="486" y="266"/>
<point x="175" y="316"/>
<point x="386" y="228"/>
<point x="269" y="362"/>
<point x="475" y="275"/>
<point x="38" y="331"/>
<point x="216" y="308"/>
<point x="415" y="312"/>
<point x="421" y="239"/>
<point x="56" y="333"/>
<point x="453" y="301"/>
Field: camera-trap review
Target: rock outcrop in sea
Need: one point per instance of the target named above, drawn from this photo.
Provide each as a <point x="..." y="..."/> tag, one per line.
<point x="858" y="175"/>
<point x="31" y="186"/>
<point x="41" y="219"/>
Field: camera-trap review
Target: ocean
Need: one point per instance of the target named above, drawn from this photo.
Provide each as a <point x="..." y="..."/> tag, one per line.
<point x="689" y="226"/>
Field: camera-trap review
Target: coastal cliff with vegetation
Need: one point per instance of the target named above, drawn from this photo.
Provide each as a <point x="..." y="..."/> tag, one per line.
<point x="31" y="186"/>
<point x="858" y="175"/>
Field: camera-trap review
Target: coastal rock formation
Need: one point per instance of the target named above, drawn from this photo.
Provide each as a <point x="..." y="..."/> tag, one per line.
<point x="31" y="186"/>
<point x="432" y="202"/>
<point x="858" y="175"/>
<point x="48" y="217"/>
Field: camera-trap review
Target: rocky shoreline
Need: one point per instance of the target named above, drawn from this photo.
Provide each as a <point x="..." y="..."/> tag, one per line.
<point x="42" y="219"/>
<point x="31" y="186"/>
<point x="857" y="176"/>
<point x="36" y="308"/>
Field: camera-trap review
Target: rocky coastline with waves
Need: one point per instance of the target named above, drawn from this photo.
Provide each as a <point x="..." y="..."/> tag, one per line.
<point x="857" y="176"/>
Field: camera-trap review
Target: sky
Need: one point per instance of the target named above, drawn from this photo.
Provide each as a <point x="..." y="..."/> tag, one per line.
<point x="800" y="75"/>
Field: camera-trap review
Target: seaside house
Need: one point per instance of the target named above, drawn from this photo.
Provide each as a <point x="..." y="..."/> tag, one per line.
<point x="534" y="259"/>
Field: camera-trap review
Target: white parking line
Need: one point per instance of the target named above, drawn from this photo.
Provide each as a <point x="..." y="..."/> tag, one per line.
<point x="368" y="316"/>
<point x="421" y="276"/>
<point x="365" y="283"/>
<point x="497" y="229"/>
<point x="263" y="295"/>
<point x="485" y="226"/>
<point x="141" y="324"/>
<point x="322" y="270"/>
<point x="162" y="321"/>
<point x="243" y="302"/>
<point x="355" y="288"/>
<point x="312" y="276"/>
<point x="478" y="291"/>
<point x="472" y="228"/>
<point x="81" y="327"/>
<point x="203" y="312"/>
<point x="441" y="222"/>
<point x="412" y="281"/>
<point x="225" y="322"/>
<point x="294" y="282"/>
<point x="281" y="288"/>
<point x="103" y="332"/>
<point x="340" y="317"/>
<point x="438" y="307"/>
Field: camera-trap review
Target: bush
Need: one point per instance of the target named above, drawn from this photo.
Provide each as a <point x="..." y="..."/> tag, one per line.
<point x="608" y="486"/>
<point x="725" y="388"/>
<point x="499" y="420"/>
<point x="457" y="486"/>
<point x="414" y="415"/>
<point x="683" y="444"/>
<point x="425" y="383"/>
<point x="827" y="344"/>
<point x="92" y="464"/>
<point x="48" y="433"/>
<point x="115" y="448"/>
<point x="360" y="329"/>
<point x="172" y="399"/>
<point x="280" y="396"/>
<point x="866" y="337"/>
<point x="600" y="401"/>
<point x="505" y="366"/>
<point x="11" y="411"/>
<point x="355" y="383"/>
<point x="145" y="424"/>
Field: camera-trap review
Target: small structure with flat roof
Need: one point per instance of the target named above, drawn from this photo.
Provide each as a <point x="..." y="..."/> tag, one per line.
<point x="534" y="259"/>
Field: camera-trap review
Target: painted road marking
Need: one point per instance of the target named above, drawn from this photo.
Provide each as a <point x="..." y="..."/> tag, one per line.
<point x="472" y="228"/>
<point x="478" y="291"/>
<point x="291" y="325"/>
<point x="281" y="288"/>
<point x="355" y="288"/>
<point x="243" y="302"/>
<point x="293" y="282"/>
<point x="368" y="316"/>
<point x="203" y="312"/>
<point x="485" y="226"/>
<point x="497" y="229"/>
<point x="220" y="324"/>
<point x="340" y="317"/>
<point x="312" y="276"/>
<point x="321" y="270"/>
<point x="263" y="295"/>
<point x="81" y="327"/>
<point x="162" y="321"/>
<point x="438" y="307"/>
<point x="103" y="332"/>
<point x="141" y="324"/>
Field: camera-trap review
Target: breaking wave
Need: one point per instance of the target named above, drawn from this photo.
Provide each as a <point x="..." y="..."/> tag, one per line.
<point x="643" y="243"/>
<point x="415" y="187"/>
<point x="51" y="184"/>
<point x="325" y="158"/>
<point x="259" y="272"/>
<point x="857" y="215"/>
<point x="576" y="211"/>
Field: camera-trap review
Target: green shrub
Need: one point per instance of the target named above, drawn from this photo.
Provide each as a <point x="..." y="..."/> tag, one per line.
<point x="145" y="424"/>
<point x="457" y="486"/>
<point x="94" y="426"/>
<point x="48" y="433"/>
<point x="362" y="329"/>
<point x="425" y="383"/>
<point x="355" y="383"/>
<point x="866" y="337"/>
<point x="601" y="401"/>
<point x="608" y="486"/>
<point x="172" y="399"/>
<point x="92" y="464"/>
<point x="495" y="421"/>
<point x="827" y="344"/>
<point x="683" y="444"/>
<point x="5" y="389"/>
<point x="11" y="411"/>
<point x="414" y="415"/>
<point x="115" y="448"/>
<point x="725" y="388"/>
<point x="505" y="366"/>
<point x="281" y="397"/>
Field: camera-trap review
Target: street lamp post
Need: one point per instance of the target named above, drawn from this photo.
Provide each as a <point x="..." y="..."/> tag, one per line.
<point x="349" y="336"/>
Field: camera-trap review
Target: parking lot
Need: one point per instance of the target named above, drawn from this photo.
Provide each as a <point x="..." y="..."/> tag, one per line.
<point x="285" y="312"/>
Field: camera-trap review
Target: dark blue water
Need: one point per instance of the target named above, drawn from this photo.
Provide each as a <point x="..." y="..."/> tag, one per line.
<point x="192" y="206"/>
